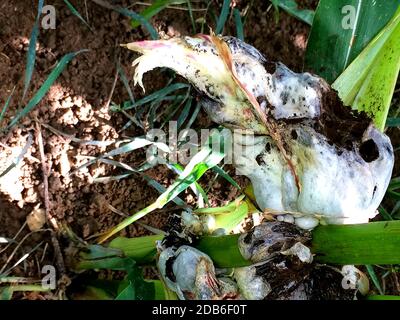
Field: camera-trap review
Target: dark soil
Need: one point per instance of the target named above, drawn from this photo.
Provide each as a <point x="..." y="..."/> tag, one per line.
<point x="78" y="104"/>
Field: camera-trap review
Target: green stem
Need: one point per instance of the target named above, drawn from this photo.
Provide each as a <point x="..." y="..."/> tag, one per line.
<point x="362" y="244"/>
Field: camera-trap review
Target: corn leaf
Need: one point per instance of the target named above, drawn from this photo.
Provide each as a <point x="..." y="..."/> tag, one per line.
<point x="140" y="249"/>
<point x="137" y="288"/>
<point x="341" y="30"/>
<point x="368" y="83"/>
<point x="383" y="297"/>
<point x="371" y="243"/>
<point x="361" y="244"/>
<point x="230" y="220"/>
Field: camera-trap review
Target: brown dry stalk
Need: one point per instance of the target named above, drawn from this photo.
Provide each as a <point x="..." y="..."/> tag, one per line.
<point x="45" y="170"/>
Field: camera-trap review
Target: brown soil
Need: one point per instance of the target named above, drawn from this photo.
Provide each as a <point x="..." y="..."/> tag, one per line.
<point x="78" y="105"/>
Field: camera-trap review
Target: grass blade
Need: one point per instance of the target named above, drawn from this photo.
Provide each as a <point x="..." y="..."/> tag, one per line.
<point x="45" y="87"/>
<point x="158" y="95"/>
<point x="218" y="170"/>
<point x="184" y="113"/>
<point x="189" y="4"/>
<point x="31" y="56"/>
<point x="133" y="15"/>
<point x="374" y="278"/>
<point x="154" y="9"/>
<point x="194" y="116"/>
<point x="207" y="158"/>
<point x="390" y="122"/>
<point x="223" y="17"/>
<point x="5" y="107"/>
<point x="19" y="158"/>
<point x="291" y="7"/>
<point x="160" y="188"/>
<point x="97" y="143"/>
<point x="125" y="81"/>
<point x="238" y="24"/>
<point x="76" y="13"/>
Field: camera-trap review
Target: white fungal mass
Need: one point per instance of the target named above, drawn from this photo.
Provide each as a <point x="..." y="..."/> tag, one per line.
<point x="342" y="162"/>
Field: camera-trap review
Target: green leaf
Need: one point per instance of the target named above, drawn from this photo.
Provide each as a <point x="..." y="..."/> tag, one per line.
<point x="137" y="288"/>
<point x="45" y="87"/>
<point x="128" y="293"/>
<point x="368" y="83"/>
<point x="370" y="243"/>
<point x="196" y="188"/>
<point x="383" y="297"/>
<point x="390" y="122"/>
<point x="99" y="257"/>
<point x="375" y="95"/>
<point x="230" y="207"/>
<point x="189" y="4"/>
<point x="5" y="107"/>
<point x="184" y="113"/>
<point x="223" y="17"/>
<point x="19" y="157"/>
<point x="31" y="55"/>
<point x="385" y="215"/>
<point x="140" y="249"/>
<point x="229" y="221"/>
<point x="160" y="188"/>
<point x="223" y="251"/>
<point x="360" y="244"/>
<point x="340" y="31"/>
<point x="133" y="15"/>
<point x="76" y="13"/>
<point x="193" y="116"/>
<point x="275" y="4"/>
<point x="125" y="81"/>
<point x="218" y="170"/>
<point x="291" y="7"/>
<point x="161" y="293"/>
<point x="97" y="143"/>
<point x="93" y="293"/>
<point x="374" y="278"/>
<point x="206" y="158"/>
<point x="7" y="292"/>
<point x="238" y="24"/>
<point x="155" y="8"/>
<point x="158" y="95"/>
